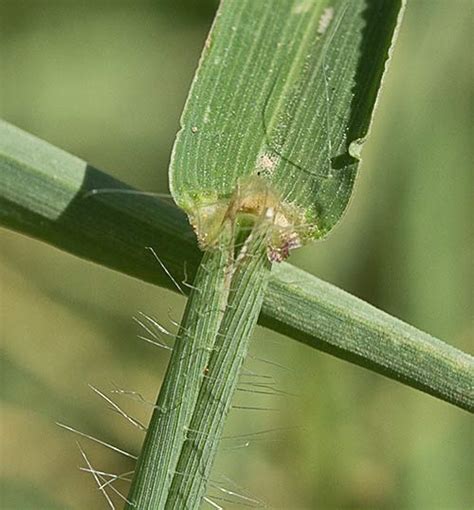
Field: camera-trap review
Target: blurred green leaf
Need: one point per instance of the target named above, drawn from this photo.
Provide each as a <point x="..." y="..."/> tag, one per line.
<point x="15" y="494"/>
<point x="114" y="229"/>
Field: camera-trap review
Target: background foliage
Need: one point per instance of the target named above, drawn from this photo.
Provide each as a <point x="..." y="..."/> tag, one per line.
<point x="107" y="81"/>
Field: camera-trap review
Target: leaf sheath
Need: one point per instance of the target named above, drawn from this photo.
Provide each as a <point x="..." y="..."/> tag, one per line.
<point x="177" y="398"/>
<point x="248" y="287"/>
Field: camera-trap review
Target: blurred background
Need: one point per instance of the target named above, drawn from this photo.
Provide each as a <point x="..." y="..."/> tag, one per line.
<point x="106" y="80"/>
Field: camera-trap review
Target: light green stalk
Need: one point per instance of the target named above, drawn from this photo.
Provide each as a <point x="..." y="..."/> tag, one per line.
<point x="220" y="315"/>
<point x="249" y="282"/>
<point x="36" y="178"/>
<point x="177" y="398"/>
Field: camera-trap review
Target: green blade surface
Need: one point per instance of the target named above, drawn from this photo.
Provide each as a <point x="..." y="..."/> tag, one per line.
<point x="285" y="90"/>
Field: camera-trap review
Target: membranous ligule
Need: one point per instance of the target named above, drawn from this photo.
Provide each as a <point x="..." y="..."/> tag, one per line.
<point x="255" y="201"/>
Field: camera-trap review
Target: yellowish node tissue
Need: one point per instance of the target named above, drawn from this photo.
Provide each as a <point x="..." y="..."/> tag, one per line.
<point x="256" y="199"/>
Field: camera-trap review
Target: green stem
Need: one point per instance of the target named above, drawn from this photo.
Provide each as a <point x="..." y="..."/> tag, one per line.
<point x="185" y="428"/>
<point x="249" y="281"/>
<point x="194" y="343"/>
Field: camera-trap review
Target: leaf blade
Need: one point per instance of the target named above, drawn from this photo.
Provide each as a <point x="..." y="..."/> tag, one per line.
<point x="282" y="90"/>
<point x="331" y="320"/>
<point x="115" y="233"/>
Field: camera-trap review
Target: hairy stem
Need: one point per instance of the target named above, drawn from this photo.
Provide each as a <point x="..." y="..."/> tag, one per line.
<point x="194" y="343"/>
<point x="186" y="425"/>
<point x="249" y="282"/>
